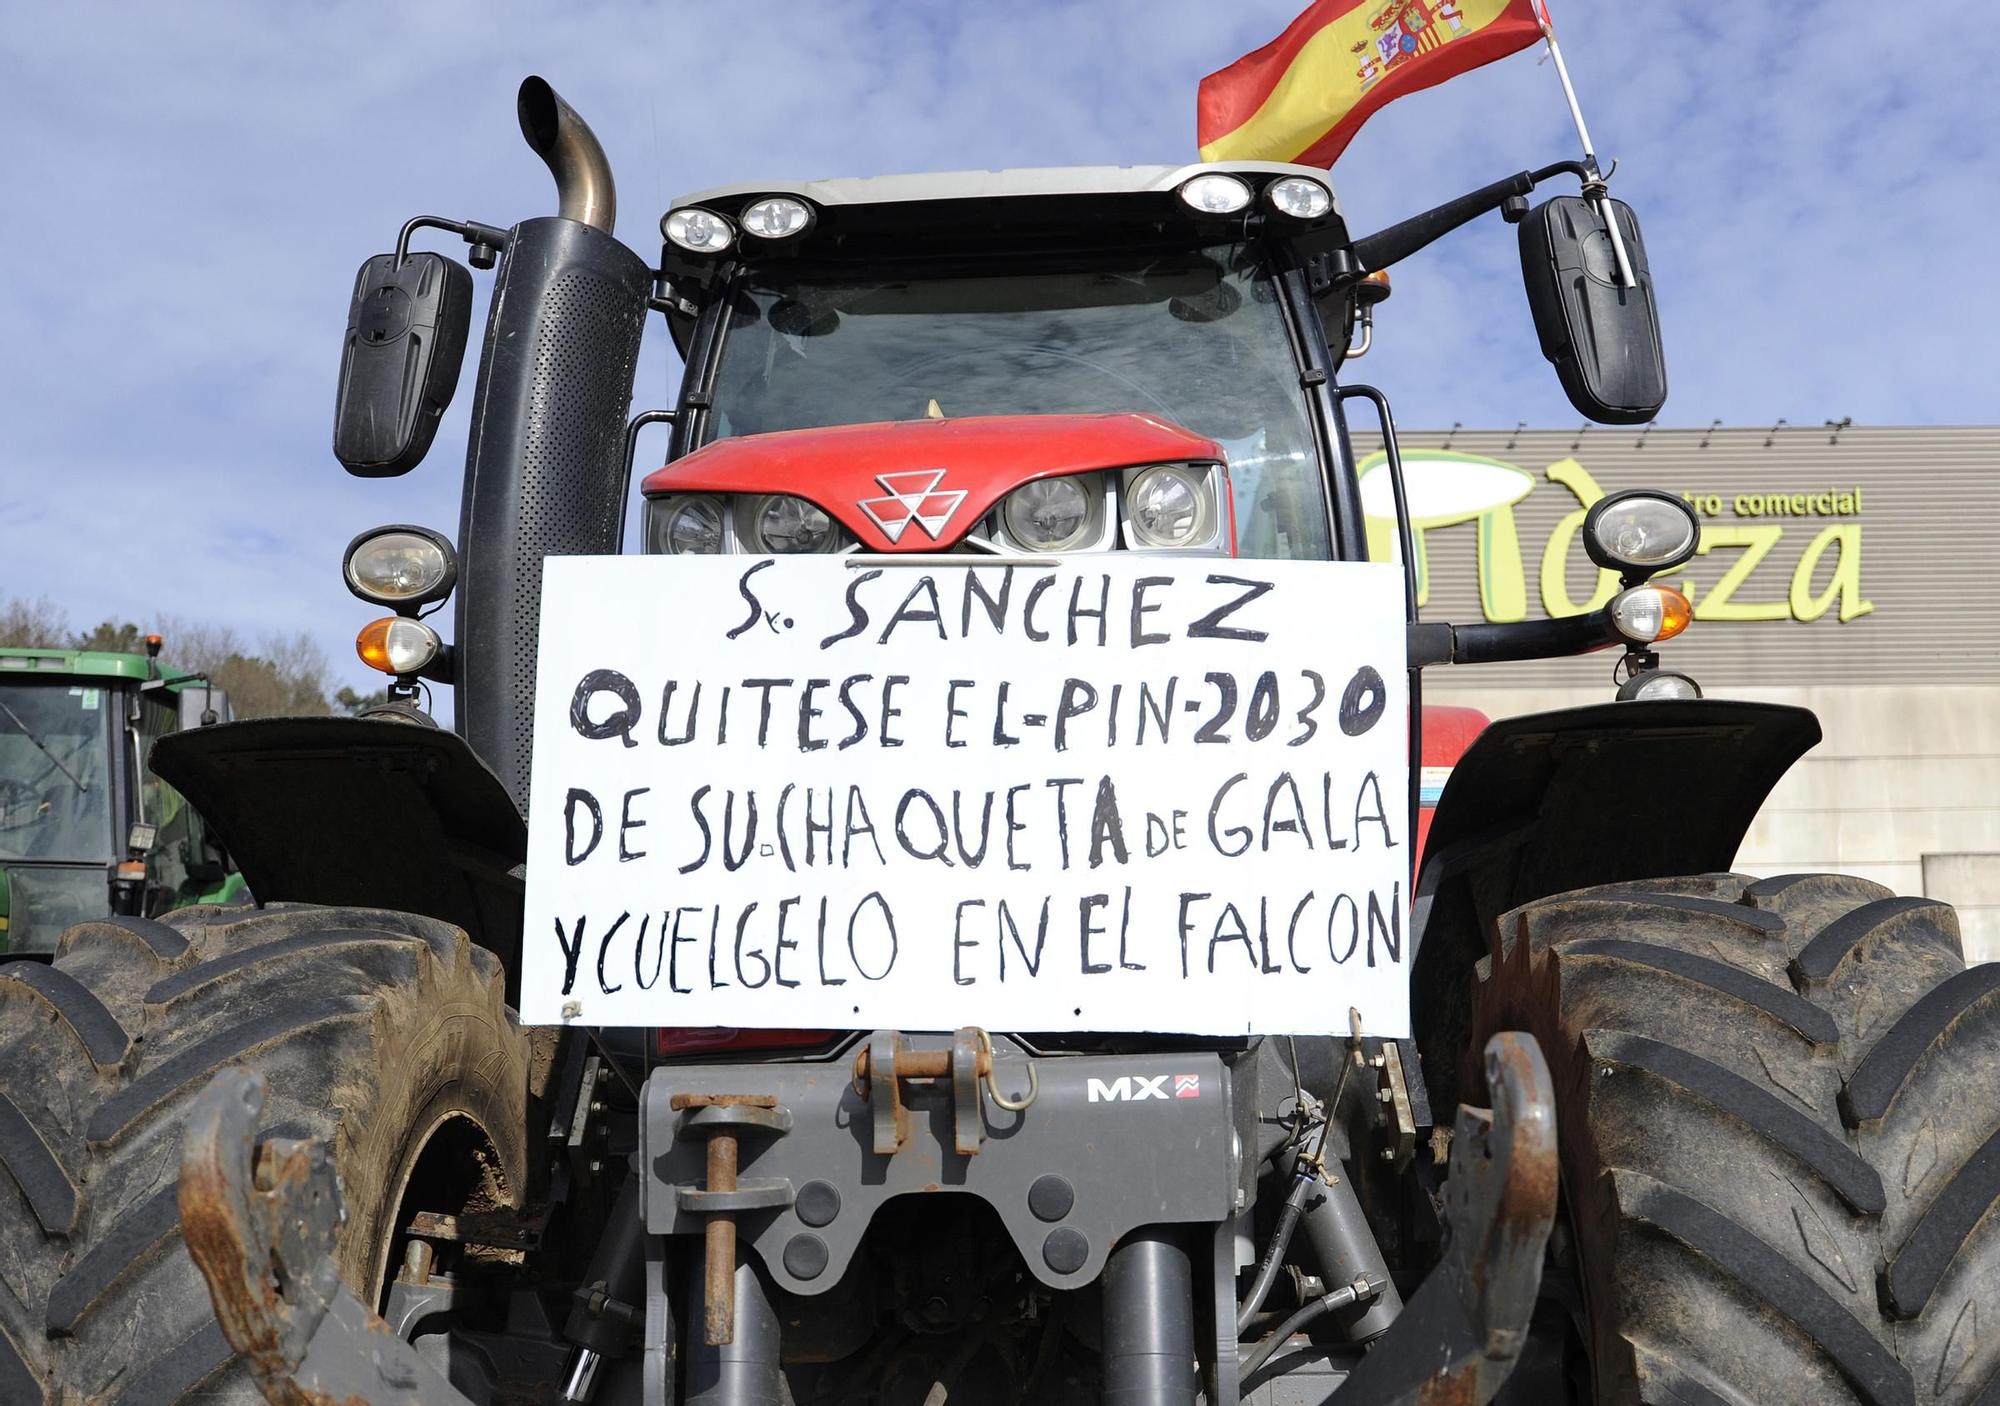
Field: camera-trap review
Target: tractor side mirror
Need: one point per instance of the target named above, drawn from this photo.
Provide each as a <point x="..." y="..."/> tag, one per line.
<point x="406" y="331"/>
<point x="1604" y="339"/>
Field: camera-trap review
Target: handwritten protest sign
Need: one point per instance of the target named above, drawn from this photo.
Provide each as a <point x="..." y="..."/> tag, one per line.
<point x="1115" y="794"/>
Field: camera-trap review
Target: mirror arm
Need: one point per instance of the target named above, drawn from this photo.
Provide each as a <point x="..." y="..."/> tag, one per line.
<point x="1399" y="241"/>
<point x="1517" y="640"/>
<point x="169" y="680"/>
<point x="487" y="242"/>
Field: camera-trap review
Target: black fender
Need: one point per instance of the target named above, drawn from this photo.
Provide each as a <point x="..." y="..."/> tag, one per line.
<point x="369" y="812"/>
<point x="1551" y="802"/>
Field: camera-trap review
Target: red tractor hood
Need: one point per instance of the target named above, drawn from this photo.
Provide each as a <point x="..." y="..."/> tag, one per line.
<point x="921" y="485"/>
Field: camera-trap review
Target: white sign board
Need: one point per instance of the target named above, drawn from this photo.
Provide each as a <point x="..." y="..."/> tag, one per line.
<point x="1124" y="793"/>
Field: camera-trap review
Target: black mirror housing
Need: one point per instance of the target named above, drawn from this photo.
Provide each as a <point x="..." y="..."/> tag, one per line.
<point x="406" y="331"/>
<point x="1604" y="339"/>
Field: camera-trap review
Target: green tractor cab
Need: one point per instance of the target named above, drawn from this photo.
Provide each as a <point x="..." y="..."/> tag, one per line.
<point x="86" y="829"/>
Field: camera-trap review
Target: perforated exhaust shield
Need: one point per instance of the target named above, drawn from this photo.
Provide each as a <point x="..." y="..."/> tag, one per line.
<point x="544" y="471"/>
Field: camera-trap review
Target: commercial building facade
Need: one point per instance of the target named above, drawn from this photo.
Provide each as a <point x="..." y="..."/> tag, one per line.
<point x="1852" y="571"/>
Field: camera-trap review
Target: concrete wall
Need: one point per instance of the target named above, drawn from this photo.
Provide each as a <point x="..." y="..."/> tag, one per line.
<point x="1904" y="790"/>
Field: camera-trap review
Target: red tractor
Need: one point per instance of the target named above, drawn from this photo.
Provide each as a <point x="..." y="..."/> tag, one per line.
<point x="1664" y="1133"/>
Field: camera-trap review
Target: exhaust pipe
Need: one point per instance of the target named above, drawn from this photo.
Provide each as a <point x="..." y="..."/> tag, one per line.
<point x="565" y="142"/>
<point x="544" y="464"/>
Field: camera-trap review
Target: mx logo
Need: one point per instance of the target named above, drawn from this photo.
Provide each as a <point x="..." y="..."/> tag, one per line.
<point x="913" y="497"/>
<point x="1137" y="1088"/>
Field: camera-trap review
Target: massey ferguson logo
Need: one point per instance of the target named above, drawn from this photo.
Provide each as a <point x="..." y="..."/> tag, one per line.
<point x="913" y="497"/>
<point x="1135" y="1088"/>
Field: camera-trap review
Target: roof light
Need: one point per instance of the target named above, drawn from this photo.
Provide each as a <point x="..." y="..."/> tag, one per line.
<point x="1300" y="198"/>
<point x="1215" y="194"/>
<point x="776" y="217"/>
<point x="698" y="231"/>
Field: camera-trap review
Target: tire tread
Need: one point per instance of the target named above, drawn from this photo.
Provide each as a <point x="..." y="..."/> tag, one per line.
<point x="1779" y="1105"/>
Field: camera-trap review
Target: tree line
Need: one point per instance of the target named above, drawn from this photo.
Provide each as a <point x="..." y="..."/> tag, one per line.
<point x="278" y="676"/>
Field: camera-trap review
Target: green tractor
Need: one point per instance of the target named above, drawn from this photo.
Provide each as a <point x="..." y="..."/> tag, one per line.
<point x="86" y="829"/>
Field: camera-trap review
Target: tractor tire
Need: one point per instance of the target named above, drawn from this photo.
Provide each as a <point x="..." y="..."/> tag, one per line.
<point x="375" y="1030"/>
<point x="1778" y="1104"/>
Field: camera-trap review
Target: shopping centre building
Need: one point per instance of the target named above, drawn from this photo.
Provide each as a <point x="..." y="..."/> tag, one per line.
<point x="1851" y="570"/>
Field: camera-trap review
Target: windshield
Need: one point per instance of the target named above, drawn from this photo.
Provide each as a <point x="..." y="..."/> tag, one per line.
<point x="55" y="782"/>
<point x="1198" y="339"/>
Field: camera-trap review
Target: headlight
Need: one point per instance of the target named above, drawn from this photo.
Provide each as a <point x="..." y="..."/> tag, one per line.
<point x="1649" y="614"/>
<point x="1640" y="533"/>
<point x="1657" y="684"/>
<point x="1051" y="514"/>
<point x="698" y="231"/>
<point x="776" y="217"/>
<point x="400" y="567"/>
<point x="1300" y="198"/>
<point x="784" y="525"/>
<point x="397" y="646"/>
<point x="1215" y="194"/>
<point x="684" y="525"/>
<point x="1170" y="506"/>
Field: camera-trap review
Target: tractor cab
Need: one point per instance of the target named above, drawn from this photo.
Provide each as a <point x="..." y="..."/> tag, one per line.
<point x="1018" y="362"/>
<point x="86" y="829"/>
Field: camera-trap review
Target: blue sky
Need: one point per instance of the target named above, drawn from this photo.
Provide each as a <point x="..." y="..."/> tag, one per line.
<point x="190" y="188"/>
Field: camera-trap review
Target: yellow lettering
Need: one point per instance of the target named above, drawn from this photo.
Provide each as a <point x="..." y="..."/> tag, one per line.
<point x="1756" y="542"/>
<point x="1798" y="504"/>
<point x="1555" y="554"/>
<point x="1845" y="583"/>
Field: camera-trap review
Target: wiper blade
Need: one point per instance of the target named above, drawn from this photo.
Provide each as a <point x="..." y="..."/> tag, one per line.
<point x="29" y="733"/>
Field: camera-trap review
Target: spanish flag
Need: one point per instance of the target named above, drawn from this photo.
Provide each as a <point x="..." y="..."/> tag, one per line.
<point x="1303" y="96"/>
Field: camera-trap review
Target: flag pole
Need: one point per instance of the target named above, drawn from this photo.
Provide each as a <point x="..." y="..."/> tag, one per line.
<point x="1595" y="188"/>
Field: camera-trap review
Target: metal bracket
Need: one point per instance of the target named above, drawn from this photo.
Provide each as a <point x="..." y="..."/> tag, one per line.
<point x="1459" y="1337"/>
<point x="1399" y="1126"/>
<point x="259" y="1222"/>
<point x="722" y="1119"/>
<point x="416" y="1293"/>
<point x="968" y="1064"/>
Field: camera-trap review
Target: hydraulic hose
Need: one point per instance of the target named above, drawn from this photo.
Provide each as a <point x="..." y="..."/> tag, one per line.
<point x="1366" y="1287"/>
<point x="1281" y="1239"/>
